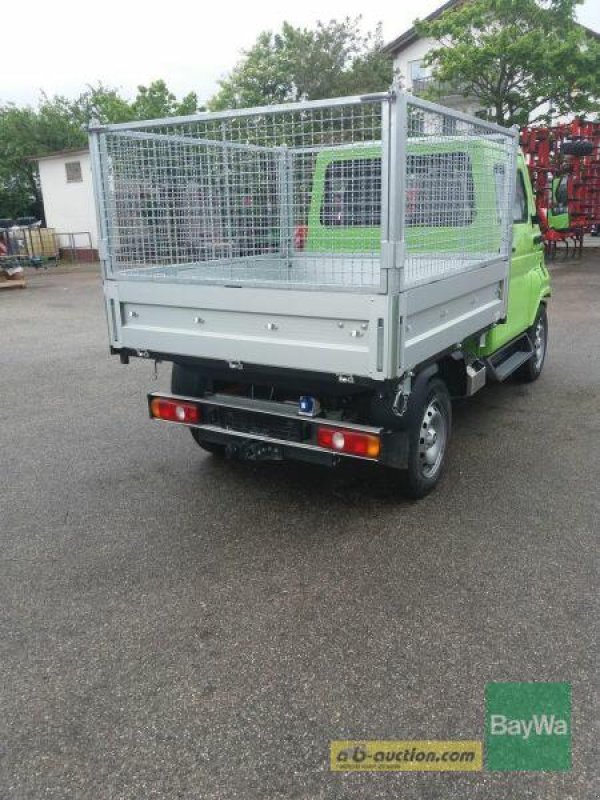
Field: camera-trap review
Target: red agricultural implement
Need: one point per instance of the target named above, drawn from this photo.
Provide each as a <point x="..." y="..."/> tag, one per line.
<point x="564" y="165"/>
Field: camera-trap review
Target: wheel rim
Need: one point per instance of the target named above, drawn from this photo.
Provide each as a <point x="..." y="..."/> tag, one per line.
<point x="539" y="343"/>
<point x="432" y="439"/>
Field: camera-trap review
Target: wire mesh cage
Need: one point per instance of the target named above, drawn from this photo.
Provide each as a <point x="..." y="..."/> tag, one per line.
<point x="305" y="196"/>
<point x="458" y="189"/>
<point x="252" y="198"/>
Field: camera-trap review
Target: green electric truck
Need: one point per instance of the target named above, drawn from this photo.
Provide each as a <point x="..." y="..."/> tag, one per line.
<point x="324" y="277"/>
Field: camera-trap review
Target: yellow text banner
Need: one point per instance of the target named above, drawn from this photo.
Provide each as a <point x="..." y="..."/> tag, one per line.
<point x="382" y="755"/>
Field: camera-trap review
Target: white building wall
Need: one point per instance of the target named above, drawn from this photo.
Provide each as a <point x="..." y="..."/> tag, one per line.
<point x="69" y="207"/>
<point x="416" y="51"/>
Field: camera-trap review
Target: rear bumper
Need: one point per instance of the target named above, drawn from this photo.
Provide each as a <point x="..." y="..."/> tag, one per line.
<point x="264" y="430"/>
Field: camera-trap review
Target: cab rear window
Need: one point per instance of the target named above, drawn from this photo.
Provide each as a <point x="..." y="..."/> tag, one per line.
<point x="439" y="192"/>
<point x="352" y="194"/>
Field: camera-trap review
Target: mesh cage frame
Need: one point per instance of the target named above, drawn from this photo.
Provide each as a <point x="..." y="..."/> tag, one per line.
<point x="330" y="195"/>
<point x="458" y="185"/>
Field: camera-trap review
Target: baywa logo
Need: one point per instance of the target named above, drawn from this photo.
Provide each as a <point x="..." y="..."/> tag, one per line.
<point x="528" y="726"/>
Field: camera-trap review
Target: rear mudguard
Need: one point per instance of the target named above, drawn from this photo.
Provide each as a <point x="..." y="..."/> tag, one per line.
<point x="381" y="412"/>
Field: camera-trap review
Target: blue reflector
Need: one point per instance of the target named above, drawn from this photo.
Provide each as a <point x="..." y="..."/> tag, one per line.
<point x="308" y="406"/>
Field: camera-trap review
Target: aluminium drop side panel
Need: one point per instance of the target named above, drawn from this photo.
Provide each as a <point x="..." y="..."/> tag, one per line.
<point x="439" y="316"/>
<point x="330" y="332"/>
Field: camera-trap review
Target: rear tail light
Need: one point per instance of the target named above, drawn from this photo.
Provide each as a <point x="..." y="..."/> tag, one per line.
<point x="174" y="410"/>
<point x="352" y="442"/>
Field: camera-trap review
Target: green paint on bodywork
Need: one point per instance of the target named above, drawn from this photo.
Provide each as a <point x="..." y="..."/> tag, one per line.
<point x="529" y="280"/>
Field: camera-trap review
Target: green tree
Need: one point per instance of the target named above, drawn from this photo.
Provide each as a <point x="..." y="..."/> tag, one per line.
<point x="333" y="59"/>
<point x="516" y="57"/>
<point x="25" y="133"/>
<point x="156" y="101"/>
<point x="58" y="123"/>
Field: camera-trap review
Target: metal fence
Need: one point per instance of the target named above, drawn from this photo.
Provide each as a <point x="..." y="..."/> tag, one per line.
<point x="307" y="195"/>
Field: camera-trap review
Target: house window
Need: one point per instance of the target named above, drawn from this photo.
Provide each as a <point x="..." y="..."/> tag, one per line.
<point x="418" y="71"/>
<point x="73" y="170"/>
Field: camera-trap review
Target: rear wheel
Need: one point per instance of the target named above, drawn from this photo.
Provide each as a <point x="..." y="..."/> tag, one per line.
<point x="538" y="333"/>
<point x="428" y="439"/>
<point x="191" y="383"/>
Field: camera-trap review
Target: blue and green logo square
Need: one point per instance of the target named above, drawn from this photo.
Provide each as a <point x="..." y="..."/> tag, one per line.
<point x="528" y="726"/>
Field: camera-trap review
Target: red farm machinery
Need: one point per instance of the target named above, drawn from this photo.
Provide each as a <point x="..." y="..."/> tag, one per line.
<point x="564" y="165"/>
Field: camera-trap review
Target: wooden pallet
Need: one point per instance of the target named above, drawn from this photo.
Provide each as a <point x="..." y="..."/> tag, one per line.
<point x="20" y="284"/>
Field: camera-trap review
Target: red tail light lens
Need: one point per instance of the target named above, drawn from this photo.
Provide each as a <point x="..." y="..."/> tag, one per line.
<point x="300" y="237"/>
<point x="174" y="410"/>
<point x="352" y="442"/>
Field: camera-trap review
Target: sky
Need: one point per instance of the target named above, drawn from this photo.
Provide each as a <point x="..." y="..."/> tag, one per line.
<point x="63" y="45"/>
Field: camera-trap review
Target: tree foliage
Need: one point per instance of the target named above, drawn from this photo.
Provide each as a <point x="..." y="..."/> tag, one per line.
<point x="517" y="56"/>
<point x="58" y="123"/>
<point x="332" y="59"/>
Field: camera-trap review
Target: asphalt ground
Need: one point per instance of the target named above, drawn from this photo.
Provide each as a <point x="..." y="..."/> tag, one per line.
<point x="174" y="626"/>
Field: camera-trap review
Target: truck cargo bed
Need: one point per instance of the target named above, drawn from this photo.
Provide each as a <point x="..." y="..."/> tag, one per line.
<point x="357" y="237"/>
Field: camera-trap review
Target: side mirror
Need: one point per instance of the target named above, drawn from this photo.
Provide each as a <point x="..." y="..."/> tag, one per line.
<point x="535" y="220"/>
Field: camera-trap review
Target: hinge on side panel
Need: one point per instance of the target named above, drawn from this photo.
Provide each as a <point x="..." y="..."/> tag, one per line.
<point x="111" y="290"/>
<point x="392" y="255"/>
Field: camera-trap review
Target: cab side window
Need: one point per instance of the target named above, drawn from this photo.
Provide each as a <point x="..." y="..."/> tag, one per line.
<point x="520" y="204"/>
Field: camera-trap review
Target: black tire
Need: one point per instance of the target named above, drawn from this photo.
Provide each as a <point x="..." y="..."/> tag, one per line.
<point x="191" y="383"/>
<point x="429" y="434"/>
<point x="577" y="147"/>
<point x="532" y="369"/>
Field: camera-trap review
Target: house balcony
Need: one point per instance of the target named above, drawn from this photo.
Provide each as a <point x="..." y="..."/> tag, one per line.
<point x="432" y="86"/>
<point x="446" y="93"/>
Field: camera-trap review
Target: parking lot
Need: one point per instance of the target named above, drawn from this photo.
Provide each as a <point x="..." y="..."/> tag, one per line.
<point x="176" y="626"/>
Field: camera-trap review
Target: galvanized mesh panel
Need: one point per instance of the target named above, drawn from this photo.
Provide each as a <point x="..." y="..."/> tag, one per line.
<point x="458" y="186"/>
<point x="303" y="197"/>
<point x="291" y="198"/>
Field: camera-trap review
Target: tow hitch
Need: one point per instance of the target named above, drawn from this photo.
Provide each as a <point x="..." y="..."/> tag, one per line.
<point x="251" y="450"/>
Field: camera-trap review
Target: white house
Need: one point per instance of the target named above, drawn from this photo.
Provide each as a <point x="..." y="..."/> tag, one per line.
<point x="69" y="207"/>
<point x="409" y="51"/>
